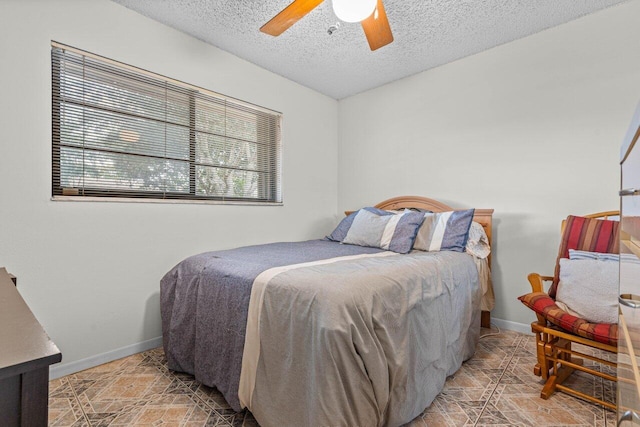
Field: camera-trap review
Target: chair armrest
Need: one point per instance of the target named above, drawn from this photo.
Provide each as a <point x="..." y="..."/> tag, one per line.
<point x="537" y="280"/>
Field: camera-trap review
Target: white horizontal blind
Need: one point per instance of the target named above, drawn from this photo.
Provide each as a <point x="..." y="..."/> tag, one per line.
<point x="119" y="131"/>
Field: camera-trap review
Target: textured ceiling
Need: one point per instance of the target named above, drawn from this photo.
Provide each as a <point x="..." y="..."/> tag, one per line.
<point x="427" y="33"/>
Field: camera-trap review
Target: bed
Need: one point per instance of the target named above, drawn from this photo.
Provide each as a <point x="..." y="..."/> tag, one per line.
<point x="322" y="333"/>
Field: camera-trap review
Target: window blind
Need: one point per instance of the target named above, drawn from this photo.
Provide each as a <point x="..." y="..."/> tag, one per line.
<point x="119" y="131"/>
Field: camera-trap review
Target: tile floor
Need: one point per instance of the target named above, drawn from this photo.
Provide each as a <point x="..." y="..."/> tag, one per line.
<point x="496" y="387"/>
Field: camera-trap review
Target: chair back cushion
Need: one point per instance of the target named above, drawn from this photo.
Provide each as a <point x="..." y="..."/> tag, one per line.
<point x="585" y="234"/>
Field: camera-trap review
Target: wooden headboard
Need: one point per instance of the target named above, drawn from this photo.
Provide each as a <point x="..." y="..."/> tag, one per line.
<point x="482" y="216"/>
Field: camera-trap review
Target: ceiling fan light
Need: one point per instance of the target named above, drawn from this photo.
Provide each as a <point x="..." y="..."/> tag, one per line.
<point x="353" y="10"/>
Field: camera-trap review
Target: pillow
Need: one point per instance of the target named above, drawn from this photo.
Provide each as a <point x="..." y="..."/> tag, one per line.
<point x="478" y="242"/>
<point x="444" y="231"/>
<point x="392" y="232"/>
<point x="585" y="234"/>
<point x="343" y="227"/>
<point x="576" y="254"/>
<point x="588" y="289"/>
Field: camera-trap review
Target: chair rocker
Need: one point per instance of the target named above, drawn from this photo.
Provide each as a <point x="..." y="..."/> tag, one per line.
<point x="555" y="329"/>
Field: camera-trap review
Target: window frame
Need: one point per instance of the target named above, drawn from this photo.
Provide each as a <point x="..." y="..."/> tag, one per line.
<point x="269" y="180"/>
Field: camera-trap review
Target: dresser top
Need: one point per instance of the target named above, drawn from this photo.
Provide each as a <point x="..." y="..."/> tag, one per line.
<point x="24" y="343"/>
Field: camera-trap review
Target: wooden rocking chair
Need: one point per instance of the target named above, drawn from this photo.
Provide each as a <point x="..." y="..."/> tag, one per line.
<point x="555" y="329"/>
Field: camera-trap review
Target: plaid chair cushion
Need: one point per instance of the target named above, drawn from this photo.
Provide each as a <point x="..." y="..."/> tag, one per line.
<point x="585" y="234"/>
<point x="544" y="305"/>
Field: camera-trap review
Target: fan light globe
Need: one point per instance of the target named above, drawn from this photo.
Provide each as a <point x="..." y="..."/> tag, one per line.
<point x="353" y="10"/>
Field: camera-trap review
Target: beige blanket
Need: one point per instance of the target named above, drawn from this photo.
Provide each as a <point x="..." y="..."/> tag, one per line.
<point x="364" y="340"/>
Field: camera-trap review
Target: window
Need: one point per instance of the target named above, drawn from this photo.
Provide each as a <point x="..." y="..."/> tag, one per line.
<point x="119" y="131"/>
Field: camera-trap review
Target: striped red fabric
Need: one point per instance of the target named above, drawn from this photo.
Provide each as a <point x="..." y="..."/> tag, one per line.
<point x="573" y="233"/>
<point x="541" y="303"/>
<point x="604" y="237"/>
<point x="585" y="234"/>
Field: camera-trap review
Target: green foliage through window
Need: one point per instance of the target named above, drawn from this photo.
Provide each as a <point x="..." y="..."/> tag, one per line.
<point x="123" y="132"/>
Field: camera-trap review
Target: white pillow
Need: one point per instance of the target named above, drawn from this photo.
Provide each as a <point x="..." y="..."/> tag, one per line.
<point x="588" y="289"/>
<point x="478" y="242"/>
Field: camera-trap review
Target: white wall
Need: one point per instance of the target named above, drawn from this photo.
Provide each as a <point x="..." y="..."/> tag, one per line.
<point x="90" y="271"/>
<point x="532" y="129"/>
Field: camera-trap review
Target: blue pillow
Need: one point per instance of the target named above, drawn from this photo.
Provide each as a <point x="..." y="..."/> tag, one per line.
<point x="343" y="227"/>
<point x="391" y="232"/>
<point x="444" y="231"/>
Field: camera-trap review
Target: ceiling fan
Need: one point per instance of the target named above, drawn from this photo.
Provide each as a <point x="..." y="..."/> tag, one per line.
<point x="370" y="13"/>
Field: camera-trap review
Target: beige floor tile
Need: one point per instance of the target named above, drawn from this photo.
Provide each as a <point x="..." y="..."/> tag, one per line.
<point x="496" y="387"/>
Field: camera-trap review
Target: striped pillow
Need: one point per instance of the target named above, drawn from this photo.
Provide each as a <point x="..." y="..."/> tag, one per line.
<point x="391" y="232"/>
<point x="576" y="254"/>
<point x="343" y="227"/>
<point x="444" y="231"/>
<point x="585" y="234"/>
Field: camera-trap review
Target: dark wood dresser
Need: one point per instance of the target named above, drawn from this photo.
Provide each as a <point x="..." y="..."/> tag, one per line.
<point x="25" y="355"/>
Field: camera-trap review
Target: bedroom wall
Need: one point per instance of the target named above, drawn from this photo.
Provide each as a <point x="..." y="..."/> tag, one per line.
<point x="90" y="271"/>
<point x="532" y="128"/>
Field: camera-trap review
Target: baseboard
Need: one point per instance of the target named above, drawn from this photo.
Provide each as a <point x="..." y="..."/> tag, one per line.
<point x="57" y="371"/>
<point x="512" y="326"/>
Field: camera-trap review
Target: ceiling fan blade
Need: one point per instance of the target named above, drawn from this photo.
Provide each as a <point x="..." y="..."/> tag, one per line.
<point x="377" y="29"/>
<point x="289" y="16"/>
